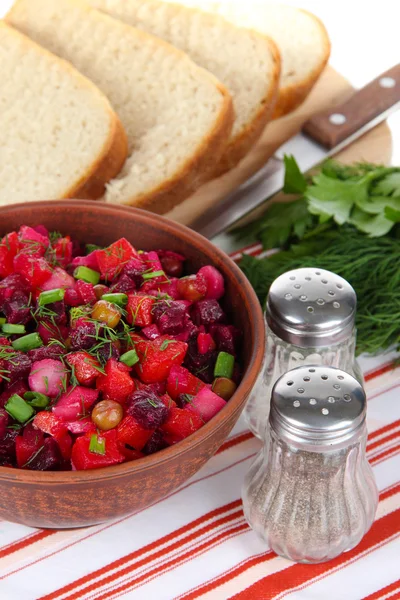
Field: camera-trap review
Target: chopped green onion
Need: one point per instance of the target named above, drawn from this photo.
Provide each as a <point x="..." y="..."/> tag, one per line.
<point x="118" y="299"/>
<point x="51" y="296"/>
<point x="27" y="342"/>
<point x="36" y="399"/>
<point x="2" y="320"/>
<point x="130" y="358"/>
<point x="224" y="365"/>
<point x="97" y="445"/>
<point x="19" y="409"/>
<point x="92" y="247"/>
<point x="87" y="275"/>
<point x="153" y="274"/>
<point x="11" y="328"/>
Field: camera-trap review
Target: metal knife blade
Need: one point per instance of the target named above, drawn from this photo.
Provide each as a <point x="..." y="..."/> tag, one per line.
<point x="322" y="136"/>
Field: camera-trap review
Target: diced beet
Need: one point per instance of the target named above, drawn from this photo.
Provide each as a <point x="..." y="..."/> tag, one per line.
<point x="9" y="285"/>
<point x="215" y="282"/>
<point x="170" y="317"/>
<point x="9" y="247"/>
<point x="18" y="367"/>
<point x="48" y="377"/>
<point x="48" y="422"/>
<point x="82" y="458"/>
<point x="107" y="351"/>
<point x="83" y="334"/>
<point x="130" y="432"/>
<point x="86" y="292"/>
<point x="181" y="423"/>
<point x="18" y="387"/>
<point x="58" y="279"/>
<point x="152" y="261"/>
<point x="113" y="259"/>
<point x="123" y="285"/>
<point x="169" y="289"/>
<point x="156" y="357"/>
<point x="53" y="351"/>
<point x="32" y="241"/>
<point x="51" y="331"/>
<point x="89" y="261"/>
<point x="147" y="409"/>
<point x="171" y="262"/>
<point x="42" y="230"/>
<point x="35" y="270"/>
<point x="207" y="404"/>
<point x="155" y="443"/>
<point x="205" y="343"/>
<point x="181" y="381"/>
<point x="48" y="459"/>
<point x="7" y="447"/>
<point x="151" y="332"/>
<point x="201" y="365"/>
<point x="27" y="445"/>
<point x="4" y="419"/>
<point x="135" y="269"/>
<point x="75" y="403"/>
<point x="117" y="383"/>
<point x="72" y="298"/>
<point x="207" y="312"/>
<point x="86" y="367"/>
<point x="57" y="312"/>
<point x="16" y="309"/>
<point x="190" y="331"/>
<point x="63" y="249"/>
<point x="64" y="442"/>
<point x="226" y="337"/>
<point x="139" y="310"/>
<point x="84" y="425"/>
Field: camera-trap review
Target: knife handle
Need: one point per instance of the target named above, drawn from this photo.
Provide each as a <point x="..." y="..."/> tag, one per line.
<point x="329" y="128"/>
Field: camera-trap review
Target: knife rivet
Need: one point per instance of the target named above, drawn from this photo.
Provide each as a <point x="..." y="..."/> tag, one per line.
<point x="337" y="119"/>
<point x="387" y="82"/>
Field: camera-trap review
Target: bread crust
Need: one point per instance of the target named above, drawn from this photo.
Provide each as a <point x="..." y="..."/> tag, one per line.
<point x="291" y="96"/>
<point x="109" y="163"/>
<point x="242" y="143"/>
<point x="196" y="169"/>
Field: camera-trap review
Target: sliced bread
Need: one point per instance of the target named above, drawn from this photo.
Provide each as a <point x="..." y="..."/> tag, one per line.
<point x="301" y="38"/>
<point x="59" y="137"/>
<point x="177" y="116"/>
<point x="246" y="62"/>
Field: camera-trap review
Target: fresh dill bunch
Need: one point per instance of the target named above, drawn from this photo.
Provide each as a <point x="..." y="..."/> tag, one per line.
<point x="370" y="265"/>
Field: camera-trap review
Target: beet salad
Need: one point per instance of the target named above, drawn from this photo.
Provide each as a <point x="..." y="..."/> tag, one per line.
<point x="106" y="354"/>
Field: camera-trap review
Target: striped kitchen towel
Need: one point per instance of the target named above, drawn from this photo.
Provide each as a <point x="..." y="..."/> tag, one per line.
<point x="196" y="544"/>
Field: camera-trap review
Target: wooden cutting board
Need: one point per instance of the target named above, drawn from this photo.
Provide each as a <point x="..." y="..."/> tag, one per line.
<point x="332" y="88"/>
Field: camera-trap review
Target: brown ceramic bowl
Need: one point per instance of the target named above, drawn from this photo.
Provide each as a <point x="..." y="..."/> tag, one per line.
<point x="76" y="499"/>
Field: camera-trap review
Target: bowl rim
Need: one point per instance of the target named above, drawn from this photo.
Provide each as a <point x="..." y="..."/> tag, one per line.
<point x="14" y="475"/>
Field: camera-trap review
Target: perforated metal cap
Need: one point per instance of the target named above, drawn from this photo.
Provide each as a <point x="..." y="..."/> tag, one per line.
<point x="317" y="407"/>
<point x="311" y="307"/>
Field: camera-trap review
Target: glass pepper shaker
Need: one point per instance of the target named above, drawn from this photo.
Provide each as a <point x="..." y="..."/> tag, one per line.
<point x="310" y="493"/>
<point x="309" y="318"/>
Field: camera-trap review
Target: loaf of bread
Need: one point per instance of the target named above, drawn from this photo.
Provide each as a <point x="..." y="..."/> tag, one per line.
<point x="59" y="136"/>
<point x="301" y="38"/>
<point x="246" y="62"/>
<point x="178" y="117"/>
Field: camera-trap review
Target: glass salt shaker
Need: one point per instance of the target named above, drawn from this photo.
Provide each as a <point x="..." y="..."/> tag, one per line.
<point x="309" y="318"/>
<point x="310" y="493"/>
